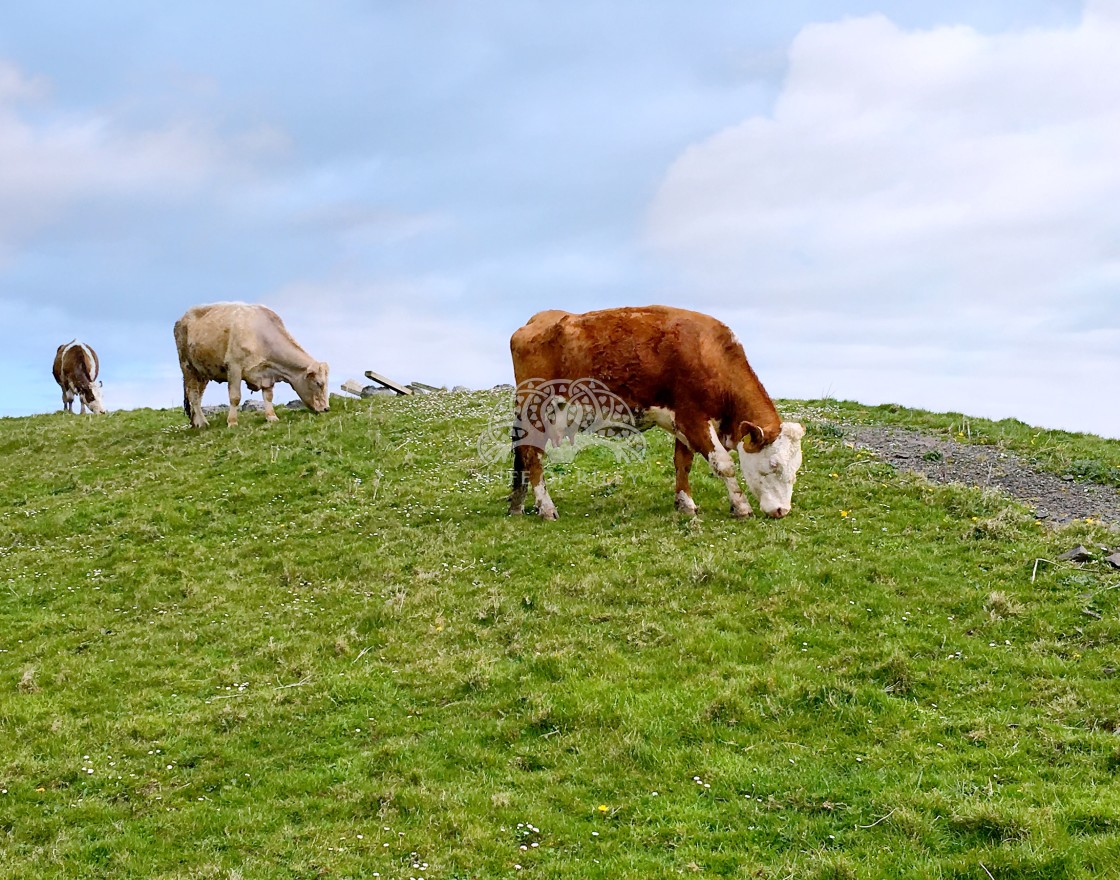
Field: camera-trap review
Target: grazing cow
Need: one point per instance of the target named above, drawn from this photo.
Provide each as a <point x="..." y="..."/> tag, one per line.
<point x="678" y="370"/>
<point x="235" y="343"/>
<point x="75" y="370"/>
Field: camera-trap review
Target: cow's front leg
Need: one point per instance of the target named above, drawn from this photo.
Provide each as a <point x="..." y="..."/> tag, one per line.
<point x="234" y="395"/>
<point x="682" y="459"/>
<point x="269" y="410"/>
<point x="722" y="463"/>
<point x="705" y="441"/>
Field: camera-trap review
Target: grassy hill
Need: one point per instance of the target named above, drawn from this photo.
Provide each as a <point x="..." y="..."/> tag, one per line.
<point x="321" y="648"/>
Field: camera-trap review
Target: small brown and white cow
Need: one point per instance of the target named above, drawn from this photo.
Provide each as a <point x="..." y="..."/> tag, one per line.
<point x="75" y="370"/>
<point x="678" y="370"/>
<point x="235" y="343"/>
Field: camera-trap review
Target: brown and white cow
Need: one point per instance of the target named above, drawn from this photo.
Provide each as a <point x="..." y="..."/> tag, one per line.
<point x="679" y="370"/>
<point x="75" y="370"/>
<point x="236" y="342"/>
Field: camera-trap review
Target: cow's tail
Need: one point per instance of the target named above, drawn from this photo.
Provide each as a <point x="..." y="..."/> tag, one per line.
<point x="520" y="479"/>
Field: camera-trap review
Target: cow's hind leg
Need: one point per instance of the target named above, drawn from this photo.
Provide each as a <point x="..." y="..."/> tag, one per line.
<point x="193" y="387"/>
<point x="682" y="459"/>
<point x="534" y="465"/>
<point x="68" y="400"/>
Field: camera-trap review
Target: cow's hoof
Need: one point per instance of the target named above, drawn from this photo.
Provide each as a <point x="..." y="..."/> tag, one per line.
<point x="742" y="512"/>
<point x="516" y="511"/>
<point x="272" y="418"/>
<point x="549" y="513"/>
<point x="686" y="505"/>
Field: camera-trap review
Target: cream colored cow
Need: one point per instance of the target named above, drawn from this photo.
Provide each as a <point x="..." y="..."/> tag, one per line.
<point x="235" y="343"/>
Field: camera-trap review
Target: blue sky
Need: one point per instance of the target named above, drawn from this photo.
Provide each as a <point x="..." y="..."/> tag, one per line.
<point x="888" y="201"/>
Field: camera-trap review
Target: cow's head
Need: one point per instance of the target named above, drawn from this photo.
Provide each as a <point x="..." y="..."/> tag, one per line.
<point x="771" y="471"/>
<point x="91" y="397"/>
<point x="311" y="386"/>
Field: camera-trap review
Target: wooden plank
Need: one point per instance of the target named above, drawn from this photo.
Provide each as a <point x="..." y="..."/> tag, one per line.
<point x="422" y="387"/>
<point x="353" y="386"/>
<point x="388" y="383"/>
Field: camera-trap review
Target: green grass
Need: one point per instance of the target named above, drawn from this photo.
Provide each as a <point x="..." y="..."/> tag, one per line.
<point x="321" y="648"/>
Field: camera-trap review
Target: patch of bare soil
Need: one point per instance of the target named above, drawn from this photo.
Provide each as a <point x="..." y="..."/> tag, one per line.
<point x="1056" y="499"/>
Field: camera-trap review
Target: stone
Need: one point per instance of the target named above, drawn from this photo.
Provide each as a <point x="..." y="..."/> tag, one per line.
<point x="1077" y="554"/>
<point x="377" y="391"/>
<point x="460" y="389"/>
<point x="1114" y="559"/>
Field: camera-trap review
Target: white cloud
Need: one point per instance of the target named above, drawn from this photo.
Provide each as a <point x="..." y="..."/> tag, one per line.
<point x="963" y="186"/>
<point x="51" y="159"/>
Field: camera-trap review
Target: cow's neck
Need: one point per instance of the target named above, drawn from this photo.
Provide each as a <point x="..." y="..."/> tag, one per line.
<point x="286" y="357"/>
<point x="752" y="404"/>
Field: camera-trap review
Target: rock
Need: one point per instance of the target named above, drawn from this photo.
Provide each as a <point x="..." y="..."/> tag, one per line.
<point x="1114" y="559"/>
<point x="1077" y="554"/>
<point x="377" y="391"/>
<point x="418" y="389"/>
<point x="503" y="387"/>
<point x="295" y="404"/>
<point x="460" y="389"/>
<point x="252" y="405"/>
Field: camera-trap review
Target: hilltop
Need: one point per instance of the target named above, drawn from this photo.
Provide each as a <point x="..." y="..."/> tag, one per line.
<point x="321" y="648"/>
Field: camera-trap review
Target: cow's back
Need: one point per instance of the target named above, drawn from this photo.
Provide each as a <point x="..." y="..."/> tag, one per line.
<point x="642" y="354"/>
<point x="210" y="337"/>
<point x="75" y="360"/>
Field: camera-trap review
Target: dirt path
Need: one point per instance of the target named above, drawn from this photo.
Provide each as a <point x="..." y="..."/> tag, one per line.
<point x="1050" y="497"/>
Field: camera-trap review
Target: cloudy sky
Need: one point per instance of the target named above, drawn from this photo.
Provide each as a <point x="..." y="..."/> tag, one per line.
<point x="914" y="201"/>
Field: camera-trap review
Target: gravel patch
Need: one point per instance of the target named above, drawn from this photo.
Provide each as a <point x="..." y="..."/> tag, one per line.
<point x="1053" y="498"/>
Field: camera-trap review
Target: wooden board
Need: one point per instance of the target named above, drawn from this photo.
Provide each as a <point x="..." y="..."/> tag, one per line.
<point x="353" y="386"/>
<point x="388" y="383"/>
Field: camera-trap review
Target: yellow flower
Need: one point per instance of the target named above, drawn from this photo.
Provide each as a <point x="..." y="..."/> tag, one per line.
<point x="602" y="808"/>
<point x="843" y="513"/>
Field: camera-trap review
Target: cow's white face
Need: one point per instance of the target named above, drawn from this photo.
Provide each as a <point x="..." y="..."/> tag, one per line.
<point x="771" y="472"/>
<point x="311" y="386"/>
<point x="94" y="402"/>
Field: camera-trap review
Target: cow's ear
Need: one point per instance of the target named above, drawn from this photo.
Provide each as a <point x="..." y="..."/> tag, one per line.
<point x="752" y="436"/>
